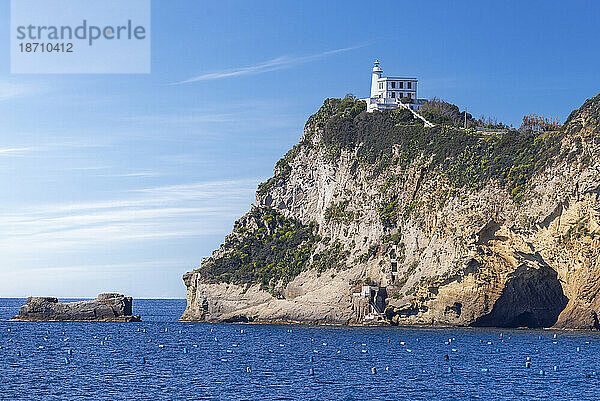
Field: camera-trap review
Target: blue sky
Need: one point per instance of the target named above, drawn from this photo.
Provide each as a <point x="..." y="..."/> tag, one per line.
<point x="124" y="182"/>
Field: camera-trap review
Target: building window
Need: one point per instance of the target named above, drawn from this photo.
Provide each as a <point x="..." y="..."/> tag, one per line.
<point x="401" y="85"/>
<point x="408" y="94"/>
<point x="393" y="94"/>
<point x="381" y="85"/>
<point x="409" y="85"/>
<point x="401" y="95"/>
<point x="393" y="85"/>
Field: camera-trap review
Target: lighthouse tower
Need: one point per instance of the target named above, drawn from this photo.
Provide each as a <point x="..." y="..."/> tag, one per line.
<point x="388" y="93"/>
<point x="377" y="72"/>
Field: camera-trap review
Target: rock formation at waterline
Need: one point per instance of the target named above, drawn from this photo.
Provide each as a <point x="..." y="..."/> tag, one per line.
<point x="460" y="227"/>
<point x="107" y="308"/>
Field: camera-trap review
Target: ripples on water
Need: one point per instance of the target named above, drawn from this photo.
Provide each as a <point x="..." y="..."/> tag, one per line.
<point x="280" y="361"/>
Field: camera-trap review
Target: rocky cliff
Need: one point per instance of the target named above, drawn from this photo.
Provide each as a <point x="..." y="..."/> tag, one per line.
<point x="459" y="227"/>
<point x="107" y="307"/>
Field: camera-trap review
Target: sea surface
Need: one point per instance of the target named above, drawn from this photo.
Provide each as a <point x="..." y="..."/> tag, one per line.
<point x="161" y="359"/>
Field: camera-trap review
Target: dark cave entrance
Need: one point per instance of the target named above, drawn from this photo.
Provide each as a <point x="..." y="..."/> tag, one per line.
<point x="532" y="298"/>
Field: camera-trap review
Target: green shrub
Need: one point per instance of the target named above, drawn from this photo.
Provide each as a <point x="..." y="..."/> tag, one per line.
<point x="265" y="247"/>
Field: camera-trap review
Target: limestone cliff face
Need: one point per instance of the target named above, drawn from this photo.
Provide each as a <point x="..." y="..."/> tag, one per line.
<point x="461" y="228"/>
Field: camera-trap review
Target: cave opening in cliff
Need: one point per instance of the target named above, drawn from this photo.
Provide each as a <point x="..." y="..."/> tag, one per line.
<point x="531" y="298"/>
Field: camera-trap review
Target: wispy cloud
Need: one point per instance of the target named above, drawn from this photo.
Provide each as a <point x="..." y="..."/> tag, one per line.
<point x="10" y="90"/>
<point x="275" y="64"/>
<point x="15" y="151"/>
<point x="175" y="211"/>
<point x="138" y="174"/>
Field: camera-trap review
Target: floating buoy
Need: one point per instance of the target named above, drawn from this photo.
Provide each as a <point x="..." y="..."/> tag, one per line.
<point x="8" y="330"/>
<point x="185" y="350"/>
<point x="166" y="329"/>
<point x="449" y="369"/>
<point x="388" y="340"/>
<point x="339" y="351"/>
<point x="149" y="340"/>
<point x="539" y="337"/>
<point x="216" y="339"/>
<point x="69" y="352"/>
<point x="311" y="372"/>
<point x="387" y="368"/>
<point x="138" y="329"/>
<point x="248" y="369"/>
<point x="101" y="342"/>
<point x="501" y="335"/>
<point x="143" y="331"/>
<point x="241" y="331"/>
<point x="179" y="331"/>
<point x="578" y="349"/>
<point x="542" y="372"/>
<point x="211" y="330"/>
<point x="373" y="370"/>
<point x="67" y="361"/>
<point x="143" y="360"/>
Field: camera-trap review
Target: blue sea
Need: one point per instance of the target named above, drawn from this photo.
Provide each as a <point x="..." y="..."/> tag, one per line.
<point x="161" y="359"/>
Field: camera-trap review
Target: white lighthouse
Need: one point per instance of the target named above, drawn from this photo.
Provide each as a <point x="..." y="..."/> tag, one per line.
<point x="392" y="92"/>
<point x="377" y="72"/>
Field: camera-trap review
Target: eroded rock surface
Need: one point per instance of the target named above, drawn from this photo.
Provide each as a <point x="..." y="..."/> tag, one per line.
<point x="107" y="307"/>
<point x="467" y="239"/>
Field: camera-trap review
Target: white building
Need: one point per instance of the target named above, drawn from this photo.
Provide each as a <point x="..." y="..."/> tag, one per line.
<point x="392" y="92"/>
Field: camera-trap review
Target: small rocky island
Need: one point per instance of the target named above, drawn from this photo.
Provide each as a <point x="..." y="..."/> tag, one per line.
<point x="109" y="307"/>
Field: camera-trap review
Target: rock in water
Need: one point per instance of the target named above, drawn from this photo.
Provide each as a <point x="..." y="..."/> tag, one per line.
<point x="109" y="307"/>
